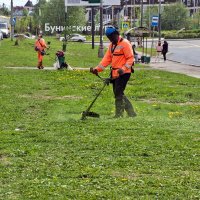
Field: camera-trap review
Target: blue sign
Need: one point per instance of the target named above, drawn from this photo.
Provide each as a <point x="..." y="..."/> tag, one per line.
<point x="154" y="21"/>
<point x="13" y="21"/>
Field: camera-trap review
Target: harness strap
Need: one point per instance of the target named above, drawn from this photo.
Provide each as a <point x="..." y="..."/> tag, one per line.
<point x="113" y="48"/>
<point x="40" y="43"/>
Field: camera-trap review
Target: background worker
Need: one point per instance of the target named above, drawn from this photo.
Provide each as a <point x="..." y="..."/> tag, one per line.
<point x="164" y="49"/>
<point x="40" y="47"/>
<point x="120" y="56"/>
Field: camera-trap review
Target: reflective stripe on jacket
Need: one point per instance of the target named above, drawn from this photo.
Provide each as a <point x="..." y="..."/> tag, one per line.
<point x="119" y="56"/>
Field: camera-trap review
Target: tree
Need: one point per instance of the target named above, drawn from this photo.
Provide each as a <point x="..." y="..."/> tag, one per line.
<point x="76" y="16"/>
<point x="4" y="10"/>
<point x="53" y="13"/>
<point x="174" y="17"/>
<point x="149" y="13"/>
<point x="37" y="15"/>
<point x="23" y="24"/>
<point x="195" y="21"/>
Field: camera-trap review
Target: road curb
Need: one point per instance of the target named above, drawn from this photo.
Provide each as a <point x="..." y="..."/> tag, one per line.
<point x="193" y="65"/>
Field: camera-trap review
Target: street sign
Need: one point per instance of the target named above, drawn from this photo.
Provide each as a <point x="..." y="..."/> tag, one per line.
<point x="13" y="22"/>
<point x="91" y="2"/>
<point x="154" y="21"/>
<point x="125" y="26"/>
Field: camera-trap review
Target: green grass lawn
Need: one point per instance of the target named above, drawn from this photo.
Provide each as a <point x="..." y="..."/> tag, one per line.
<point x="78" y="54"/>
<point x="47" y="152"/>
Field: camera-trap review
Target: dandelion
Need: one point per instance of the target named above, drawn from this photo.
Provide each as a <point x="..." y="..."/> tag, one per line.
<point x="175" y="114"/>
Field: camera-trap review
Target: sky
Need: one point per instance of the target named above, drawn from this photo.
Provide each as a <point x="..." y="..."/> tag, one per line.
<point x="16" y="2"/>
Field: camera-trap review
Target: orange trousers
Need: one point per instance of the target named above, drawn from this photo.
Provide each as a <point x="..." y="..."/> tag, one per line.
<point x="40" y="59"/>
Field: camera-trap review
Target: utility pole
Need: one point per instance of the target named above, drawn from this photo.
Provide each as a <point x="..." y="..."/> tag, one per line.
<point x="126" y="8"/>
<point x="101" y="50"/>
<point x="141" y="20"/>
<point x="112" y="14"/>
<point x="194" y="7"/>
<point x="133" y="13"/>
<point x="159" y="20"/>
<point x="11" y="21"/>
<point x="64" y="46"/>
<point x="93" y="26"/>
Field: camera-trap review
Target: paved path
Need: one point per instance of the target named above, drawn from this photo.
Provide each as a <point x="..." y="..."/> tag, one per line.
<point x="176" y="67"/>
<point x="166" y="66"/>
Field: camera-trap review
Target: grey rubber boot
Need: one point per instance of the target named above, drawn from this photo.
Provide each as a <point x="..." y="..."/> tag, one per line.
<point x="119" y="107"/>
<point x="129" y="108"/>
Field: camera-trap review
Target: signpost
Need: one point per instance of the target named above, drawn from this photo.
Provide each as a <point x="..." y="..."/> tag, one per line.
<point x="155" y="20"/>
<point x="154" y="23"/>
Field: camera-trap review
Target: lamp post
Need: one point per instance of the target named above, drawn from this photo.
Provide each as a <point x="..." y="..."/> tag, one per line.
<point x="126" y="8"/>
<point x="101" y="53"/>
<point x="141" y="20"/>
<point x="133" y="13"/>
<point x="159" y="20"/>
<point x="93" y="26"/>
<point x="11" y="21"/>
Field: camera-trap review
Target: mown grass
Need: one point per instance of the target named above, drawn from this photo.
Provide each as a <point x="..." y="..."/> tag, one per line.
<point x="47" y="152"/>
<point x="77" y="55"/>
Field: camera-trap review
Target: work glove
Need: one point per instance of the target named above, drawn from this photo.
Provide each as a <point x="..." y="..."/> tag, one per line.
<point x="94" y="71"/>
<point x="120" y="71"/>
<point x="107" y="81"/>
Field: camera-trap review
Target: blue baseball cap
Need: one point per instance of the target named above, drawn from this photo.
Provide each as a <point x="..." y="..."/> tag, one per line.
<point x="110" y="30"/>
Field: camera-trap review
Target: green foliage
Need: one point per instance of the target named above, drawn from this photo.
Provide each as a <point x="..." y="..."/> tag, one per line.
<point x="195" y="20"/>
<point x="149" y="12"/>
<point x="37" y="15"/>
<point x="4" y="11"/>
<point x="24" y="24"/>
<point x="53" y="12"/>
<point x="181" y="34"/>
<point x="25" y="12"/>
<point x="174" y="17"/>
<point x="75" y="17"/>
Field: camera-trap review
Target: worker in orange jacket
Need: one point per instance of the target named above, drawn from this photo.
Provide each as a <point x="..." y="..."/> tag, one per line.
<point x="40" y="47"/>
<point x="120" y="56"/>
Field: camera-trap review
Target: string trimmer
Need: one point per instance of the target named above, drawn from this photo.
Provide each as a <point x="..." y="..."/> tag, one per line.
<point x="88" y="113"/>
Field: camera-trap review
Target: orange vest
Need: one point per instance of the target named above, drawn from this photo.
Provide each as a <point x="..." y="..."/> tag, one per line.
<point x="40" y="44"/>
<point x="119" y="56"/>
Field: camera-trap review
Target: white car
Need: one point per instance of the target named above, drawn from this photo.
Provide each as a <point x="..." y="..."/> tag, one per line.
<point x="26" y="36"/>
<point x="74" y="38"/>
<point x="1" y="35"/>
<point x="4" y="28"/>
<point x="77" y="38"/>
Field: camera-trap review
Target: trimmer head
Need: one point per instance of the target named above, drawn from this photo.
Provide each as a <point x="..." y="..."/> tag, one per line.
<point x="89" y="114"/>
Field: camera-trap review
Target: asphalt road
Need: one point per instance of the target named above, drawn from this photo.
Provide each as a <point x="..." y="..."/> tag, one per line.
<point x="185" y="51"/>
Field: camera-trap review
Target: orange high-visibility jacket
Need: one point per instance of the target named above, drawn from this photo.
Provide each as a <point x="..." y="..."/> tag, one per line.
<point x="40" y="44"/>
<point x="120" y="56"/>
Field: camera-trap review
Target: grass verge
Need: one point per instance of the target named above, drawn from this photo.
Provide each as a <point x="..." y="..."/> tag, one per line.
<point x="47" y="152"/>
